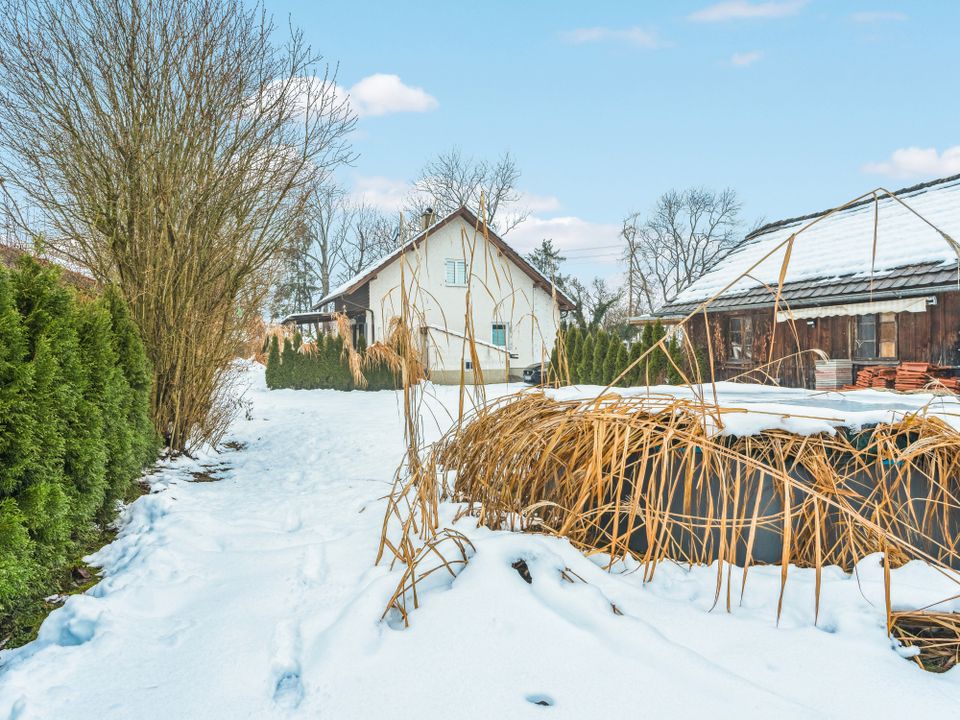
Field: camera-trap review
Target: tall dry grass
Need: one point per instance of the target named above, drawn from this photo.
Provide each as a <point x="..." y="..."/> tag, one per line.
<point x="652" y="477"/>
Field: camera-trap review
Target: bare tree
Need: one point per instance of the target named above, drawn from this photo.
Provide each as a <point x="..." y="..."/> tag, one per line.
<point x="684" y="236"/>
<point x="369" y="236"/>
<point x="168" y="145"/>
<point x="451" y="180"/>
<point x="592" y="302"/>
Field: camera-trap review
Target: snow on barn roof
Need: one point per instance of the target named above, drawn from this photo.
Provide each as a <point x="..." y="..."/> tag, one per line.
<point x="836" y="252"/>
<point x="354" y="283"/>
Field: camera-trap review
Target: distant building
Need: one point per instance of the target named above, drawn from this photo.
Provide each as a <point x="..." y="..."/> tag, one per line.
<point x="515" y="309"/>
<point x="9" y="255"/>
<point x="887" y="302"/>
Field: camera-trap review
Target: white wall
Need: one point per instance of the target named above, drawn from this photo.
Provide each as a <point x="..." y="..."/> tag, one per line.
<point x="499" y="291"/>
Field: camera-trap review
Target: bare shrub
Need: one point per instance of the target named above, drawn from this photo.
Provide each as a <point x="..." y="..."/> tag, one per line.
<point x="168" y="147"/>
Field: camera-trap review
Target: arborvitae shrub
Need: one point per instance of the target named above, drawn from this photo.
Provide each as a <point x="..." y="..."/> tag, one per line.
<point x="623" y="359"/>
<point x="132" y="358"/>
<point x="674" y="377"/>
<point x="18" y="451"/>
<point x="635" y="376"/>
<point x="610" y="360"/>
<point x="75" y="428"/>
<point x="585" y="365"/>
<point x="572" y="340"/>
<point x="600" y="346"/>
<point x="272" y="374"/>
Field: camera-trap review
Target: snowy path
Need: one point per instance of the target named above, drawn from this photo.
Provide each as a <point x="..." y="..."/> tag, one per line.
<point x="255" y="597"/>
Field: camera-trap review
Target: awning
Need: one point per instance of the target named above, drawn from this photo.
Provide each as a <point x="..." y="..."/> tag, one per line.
<point x="912" y="305"/>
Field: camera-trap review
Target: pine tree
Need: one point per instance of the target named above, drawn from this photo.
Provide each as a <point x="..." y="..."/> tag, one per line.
<point x="273" y="364"/>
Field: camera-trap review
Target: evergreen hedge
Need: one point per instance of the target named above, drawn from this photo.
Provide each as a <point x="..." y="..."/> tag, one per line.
<point x="598" y="358"/>
<point x="75" y="427"/>
<point x="322" y="367"/>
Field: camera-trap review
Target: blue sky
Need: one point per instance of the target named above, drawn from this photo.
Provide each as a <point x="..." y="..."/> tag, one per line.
<point x="797" y="105"/>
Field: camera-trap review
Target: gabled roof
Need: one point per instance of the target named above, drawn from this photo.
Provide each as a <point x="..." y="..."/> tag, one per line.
<point x="368" y="273"/>
<point x="835" y="255"/>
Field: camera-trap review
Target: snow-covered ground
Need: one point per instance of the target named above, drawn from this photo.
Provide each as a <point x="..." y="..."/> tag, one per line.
<point x="256" y="597"/>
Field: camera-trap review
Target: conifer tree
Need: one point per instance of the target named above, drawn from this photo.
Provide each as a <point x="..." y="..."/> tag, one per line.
<point x="571" y="348"/>
<point x="623" y="359"/>
<point x="273" y="364"/>
<point x="635" y="376"/>
<point x="50" y="317"/>
<point x="600" y="346"/>
<point x="674" y="377"/>
<point x="288" y="359"/>
<point x="107" y="391"/>
<point x="585" y="365"/>
<point x="135" y="367"/>
<point x="610" y="359"/>
<point x="17" y="451"/>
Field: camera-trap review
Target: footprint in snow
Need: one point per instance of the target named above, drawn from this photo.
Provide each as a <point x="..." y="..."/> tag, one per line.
<point x="287" y="686"/>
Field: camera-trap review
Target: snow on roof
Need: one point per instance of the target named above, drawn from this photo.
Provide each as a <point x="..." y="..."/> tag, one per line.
<point x="841" y="245"/>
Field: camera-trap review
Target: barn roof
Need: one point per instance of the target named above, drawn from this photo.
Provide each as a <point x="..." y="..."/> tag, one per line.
<point x="834" y="257"/>
<point x="371" y="271"/>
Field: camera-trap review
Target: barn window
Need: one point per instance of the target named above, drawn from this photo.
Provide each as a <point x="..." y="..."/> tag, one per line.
<point x="740" y="338"/>
<point x="866" y="337"/>
<point x="876" y="336"/>
<point x="456" y="272"/>
<point x="888" y="335"/>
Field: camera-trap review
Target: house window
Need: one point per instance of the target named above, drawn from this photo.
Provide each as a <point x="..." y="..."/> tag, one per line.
<point x="876" y="336"/>
<point x="499" y="333"/>
<point x="740" y="338"/>
<point x="359" y="332"/>
<point x="456" y="272"/>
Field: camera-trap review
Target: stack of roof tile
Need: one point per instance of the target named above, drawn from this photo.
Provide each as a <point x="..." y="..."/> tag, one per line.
<point x="875" y="376"/>
<point x="918" y="375"/>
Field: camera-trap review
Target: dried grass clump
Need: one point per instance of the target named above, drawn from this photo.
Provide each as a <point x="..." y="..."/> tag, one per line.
<point x="645" y="476"/>
<point x="935" y="635"/>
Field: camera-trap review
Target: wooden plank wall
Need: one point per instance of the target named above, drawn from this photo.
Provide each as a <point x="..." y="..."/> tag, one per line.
<point x="932" y="336"/>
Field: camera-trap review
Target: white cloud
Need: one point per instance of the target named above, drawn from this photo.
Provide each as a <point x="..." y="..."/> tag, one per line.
<point x="878" y="16"/>
<point x="538" y="203"/>
<point x="746" y="58"/>
<point x="382" y="94"/>
<point x="918" y="162"/>
<point x="634" y="36"/>
<point x="743" y="9"/>
<point x="381" y="192"/>
<point x="569" y="233"/>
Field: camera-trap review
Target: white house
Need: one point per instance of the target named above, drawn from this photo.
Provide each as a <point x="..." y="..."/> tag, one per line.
<point x="515" y="310"/>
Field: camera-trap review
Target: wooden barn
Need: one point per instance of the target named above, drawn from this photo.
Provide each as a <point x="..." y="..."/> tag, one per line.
<point x="875" y="284"/>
